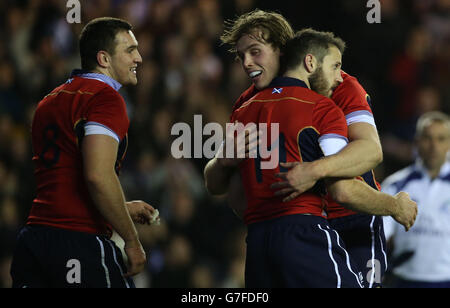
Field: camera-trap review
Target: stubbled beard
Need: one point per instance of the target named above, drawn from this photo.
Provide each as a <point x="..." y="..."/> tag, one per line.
<point x="319" y="83"/>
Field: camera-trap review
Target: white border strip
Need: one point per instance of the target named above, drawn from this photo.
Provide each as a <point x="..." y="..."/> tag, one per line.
<point x="117" y="263"/>
<point x="347" y="258"/>
<point x="102" y="250"/>
<point x="330" y="253"/>
<point x="372" y="278"/>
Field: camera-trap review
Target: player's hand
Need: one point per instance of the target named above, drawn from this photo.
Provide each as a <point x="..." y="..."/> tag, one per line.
<point x="407" y="210"/>
<point x="142" y="212"/>
<point x="136" y="257"/>
<point x="244" y="144"/>
<point x="298" y="179"/>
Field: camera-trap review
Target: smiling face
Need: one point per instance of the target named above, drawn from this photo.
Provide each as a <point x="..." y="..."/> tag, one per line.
<point x="327" y="75"/>
<point x="125" y="59"/>
<point x="259" y="60"/>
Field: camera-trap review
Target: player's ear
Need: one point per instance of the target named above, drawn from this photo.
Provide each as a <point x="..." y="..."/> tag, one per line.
<point x="310" y="63"/>
<point x="103" y="59"/>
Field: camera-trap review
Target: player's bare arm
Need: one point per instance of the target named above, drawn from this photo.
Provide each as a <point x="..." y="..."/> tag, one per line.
<point x="217" y="177"/>
<point x="362" y="154"/>
<point x="360" y="197"/>
<point x="99" y="156"/>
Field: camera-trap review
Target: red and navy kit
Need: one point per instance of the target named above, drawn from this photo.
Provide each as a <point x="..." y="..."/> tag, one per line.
<point x="303" y="117"/>
<point x="291" y="244"/>
<point x="245" y="96"/>
<point x="62" y="198"/>
<point x="362" y="234"/>
<point x="354" y="101"/>
<point x="45" y="257"/>
<point x="64" y="228"/>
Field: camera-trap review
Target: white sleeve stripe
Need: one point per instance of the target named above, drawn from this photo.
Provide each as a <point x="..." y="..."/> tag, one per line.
<point x="93" y="128"/>
<point x="332" y="144"/>
<point x="361" y="116"/>
<point x="102" y="125"/>
<point x="333" y="136"/>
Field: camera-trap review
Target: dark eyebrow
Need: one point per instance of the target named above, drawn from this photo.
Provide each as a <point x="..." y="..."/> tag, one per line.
<point x="132" y="47"/>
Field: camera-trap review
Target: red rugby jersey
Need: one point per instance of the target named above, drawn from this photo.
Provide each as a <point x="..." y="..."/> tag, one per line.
<point x="62" y="198"/>
<point x="303" y="117"/>
<point x="245" y="96"/>
<point x="354" y="101"/>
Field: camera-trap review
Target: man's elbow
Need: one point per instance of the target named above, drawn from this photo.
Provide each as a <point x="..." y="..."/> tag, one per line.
<point x="212" y="176"/>
<point x="94" y="179"/>
<point x="374" y="155"/>
<point x="378" y="155"/>
<point x="211" y="186"/>
<point x="215" y="190"/>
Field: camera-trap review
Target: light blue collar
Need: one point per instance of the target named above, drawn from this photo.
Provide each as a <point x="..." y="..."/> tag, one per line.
<point x="101" y="77"/>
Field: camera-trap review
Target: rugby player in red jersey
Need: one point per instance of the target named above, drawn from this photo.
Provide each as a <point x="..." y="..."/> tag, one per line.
<point x="363" y="234"/>
<point x="79" y="139"/>
<point x="287" y="241"/>
<point x="253" y="50"/>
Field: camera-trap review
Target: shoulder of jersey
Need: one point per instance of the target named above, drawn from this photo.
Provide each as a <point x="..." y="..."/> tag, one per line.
<point x="349" y="80"/>
<point x="89" y="85"/>
<point x="292" y="91"/>
<point x="245" y="96"/>
<point x="346" y="79"/>
<point x="349" y="87"/>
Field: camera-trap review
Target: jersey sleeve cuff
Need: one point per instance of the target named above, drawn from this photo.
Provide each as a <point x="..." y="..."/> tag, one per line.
<point x="361" y="116"/>
<point x="332" y="143"/>
<point x="94" y="128"/>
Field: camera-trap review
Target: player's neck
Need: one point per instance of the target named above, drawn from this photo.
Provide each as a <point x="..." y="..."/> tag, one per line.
<point x="301" y="75"/>
<point x="103" y="71"/>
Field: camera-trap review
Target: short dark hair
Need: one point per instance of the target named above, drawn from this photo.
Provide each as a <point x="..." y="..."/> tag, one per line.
<point x="308" y="41"/>
<point x="99" y="34"/>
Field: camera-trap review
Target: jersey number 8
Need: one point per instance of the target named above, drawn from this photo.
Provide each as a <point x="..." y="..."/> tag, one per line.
<point x="50" y="151"/>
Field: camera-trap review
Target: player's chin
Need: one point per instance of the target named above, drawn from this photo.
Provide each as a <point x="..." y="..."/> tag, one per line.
<point x="133" y="81"/>
<point x="261" y="84"/>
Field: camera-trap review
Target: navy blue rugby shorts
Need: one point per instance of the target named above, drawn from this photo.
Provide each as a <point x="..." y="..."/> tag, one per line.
<point x="297" y="251"/>
<point x="364" y="239"/>
<point x="47" y="257"/>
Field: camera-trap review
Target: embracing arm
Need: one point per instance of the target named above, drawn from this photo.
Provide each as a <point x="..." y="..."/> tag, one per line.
<point x="358" y="196"/>
<point x="362" y="154"/>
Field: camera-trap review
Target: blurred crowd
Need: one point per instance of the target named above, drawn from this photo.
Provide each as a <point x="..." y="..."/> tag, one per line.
<point x="403" y="62"/>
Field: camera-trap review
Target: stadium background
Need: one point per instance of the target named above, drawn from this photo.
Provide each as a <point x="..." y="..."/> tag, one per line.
<point x="403" y="62"/>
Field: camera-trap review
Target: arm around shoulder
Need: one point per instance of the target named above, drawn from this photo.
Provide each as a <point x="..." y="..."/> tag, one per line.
<point x="362" y="154"/>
